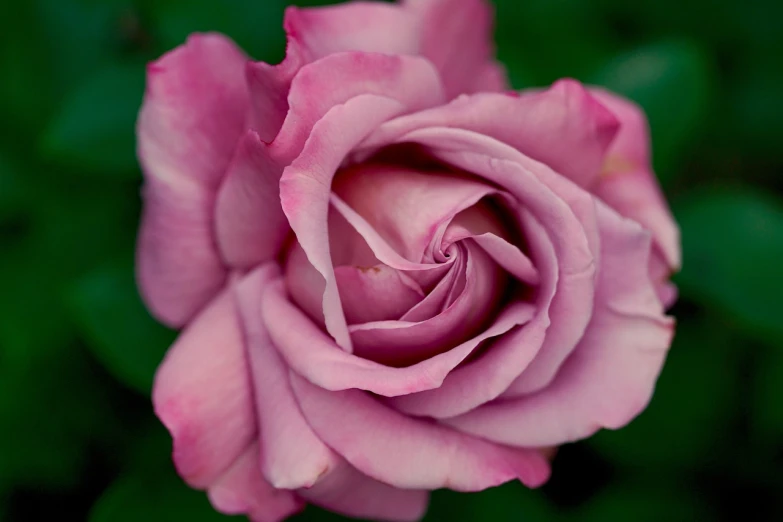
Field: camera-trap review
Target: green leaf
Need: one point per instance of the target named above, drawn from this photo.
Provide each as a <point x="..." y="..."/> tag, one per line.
<point x="696" y="396"/>
<point x="672" y="81"/>
<point x="149" y="490"/>
<point x="95" y="126"/>
<point x="11" y="190"/>
<point x="52" y="410"/>
<point x="757" y="108"/>
<point x="767" y="413"/>
<point x="257" y="26"/>
<point x="26" y="92"/>
<point x="732" y="247"/>
<point x="644" y="503"/>
<point x="510" y="502"/>
<point x="120" y="331"/>
<point x="83" y="36"/>
<point x="522" y="28"/>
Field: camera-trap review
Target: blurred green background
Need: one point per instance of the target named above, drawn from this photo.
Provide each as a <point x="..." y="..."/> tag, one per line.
<point x="78" y="440"/>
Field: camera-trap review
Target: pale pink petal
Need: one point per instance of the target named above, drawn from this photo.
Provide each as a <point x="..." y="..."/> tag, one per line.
<point x="269" y="86"/>
<point x="202" y="394"/>
<point x="455" y="35"/>
<point x="191" y="119"/>
<point x="241" y="490"/>
<point x="178" y="266"/>
<point x="486" y="377"/>
<point x="347" y="491"/>
<point x="249" y="219"/>
<point x="610" y="376"/>
<point x="398" y="84"/>
<point x="508" y="256"/>
<point x="492" y="78"/>
<point x="563" y="126"/>
<point x="314" y="355"/>
<point x="354" y="26"/>
<point x="564" y="209"/>
<point x="305" y="190"/>
<point x="335" y="79"/>
<point x="380" y="248"/>
<point x="411" y="453"/>
<point x="292" y="456"/>
<point x="407" y="206"/>
<point x="628" y="183"/>
<point x="375" y="293"/>
<point x="402" y="343"/>
<point x="437" y="299"/>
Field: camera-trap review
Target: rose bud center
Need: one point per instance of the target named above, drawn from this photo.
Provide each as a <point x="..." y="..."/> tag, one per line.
<point x="412" y="278"/>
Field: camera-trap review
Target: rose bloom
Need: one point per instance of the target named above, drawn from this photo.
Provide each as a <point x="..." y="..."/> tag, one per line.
<point x="394" y="275"/>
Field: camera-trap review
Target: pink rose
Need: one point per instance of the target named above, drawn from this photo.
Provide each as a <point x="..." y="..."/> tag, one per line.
<point x="392" y="275"/>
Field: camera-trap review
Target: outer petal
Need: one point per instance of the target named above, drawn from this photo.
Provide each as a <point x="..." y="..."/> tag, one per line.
<point x="493" y="78"/>
<point x="355" y="26"/>
<point x="563" y="126"/>
<point x="203" y="396"/>
<point x="269" y="86"/>
<point x="411" y="453"/>
<point x="610" y="376"/>
<point x="249" y="219"/>
<point x="628" y="183"/>
<point x="336" y="79"/>
<point x="193" y="114"/>
<point x="347" y="491"/>
<point x="455" y="35"/>
<point x="292" y="455"/>
<point x="243" y="491"/>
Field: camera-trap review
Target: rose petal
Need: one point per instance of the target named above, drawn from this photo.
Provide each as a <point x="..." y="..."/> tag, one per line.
<point x="351" y="493"/>
<point x="193" y="114"/>
<point x="372" y="27"/>
<point x="249" y="219"/>
<point x="401" y="343"/>
<point x="375" y="293"/>
<point x="399" y="85"/>
<point x="628" y="184"/>
<point x="314" y="355"/>
<point x="269" y="86"/>
<point x="336" y="79"/>
<point x="486" y="377"/>
<point x="241" y="490"/>
<point x="407" y="206"/>
<point x="610" y="376"/>
<point x="563" y="126"/>
<point x="455" y="35"/>
<point x="492" y="78"/>
<point x="564" y="209"/>
<point x="293" y="457"/>
<point x="437" y="299"/>
<point x="202" y="394"/>
<point x="409" y="453"/>
<point x="304" y="190"/>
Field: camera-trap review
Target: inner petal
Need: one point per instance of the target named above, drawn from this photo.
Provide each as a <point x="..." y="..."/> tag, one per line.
<point x="407" y="207"/>
<point x="402" y="343"/>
